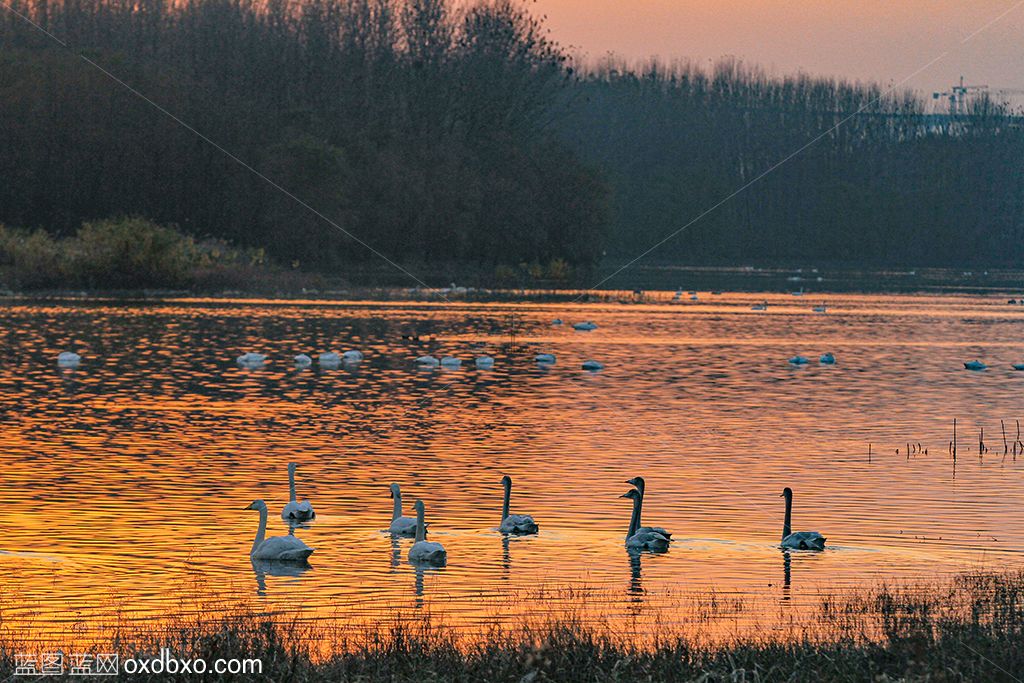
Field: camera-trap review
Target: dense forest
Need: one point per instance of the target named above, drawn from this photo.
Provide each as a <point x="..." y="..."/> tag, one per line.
<point x="437" y="131"/>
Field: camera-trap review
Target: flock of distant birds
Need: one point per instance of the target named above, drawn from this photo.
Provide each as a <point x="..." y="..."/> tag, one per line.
<point x="639" y="538"/>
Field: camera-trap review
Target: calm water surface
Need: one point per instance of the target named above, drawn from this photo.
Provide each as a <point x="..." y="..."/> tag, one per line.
<point x="124" y="480"/>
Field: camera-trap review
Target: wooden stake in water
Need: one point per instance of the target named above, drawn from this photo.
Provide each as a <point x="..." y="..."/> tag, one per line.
<point x="954" y="439"/>
<point x="1006" y="448"/>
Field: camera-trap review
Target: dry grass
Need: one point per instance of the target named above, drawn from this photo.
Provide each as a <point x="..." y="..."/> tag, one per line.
<point x="968" y="629"/>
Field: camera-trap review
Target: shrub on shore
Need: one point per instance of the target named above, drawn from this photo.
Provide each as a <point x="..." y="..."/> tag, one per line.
<point x="127" y="253"/>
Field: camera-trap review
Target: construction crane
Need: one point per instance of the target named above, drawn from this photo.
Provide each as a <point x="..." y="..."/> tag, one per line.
<point x="959" y="95"/>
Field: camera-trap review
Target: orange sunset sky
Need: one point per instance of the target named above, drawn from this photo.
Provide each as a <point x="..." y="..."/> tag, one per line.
<point x="881" y="40"/>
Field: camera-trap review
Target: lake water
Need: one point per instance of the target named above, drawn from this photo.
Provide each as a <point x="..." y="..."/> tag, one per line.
<point x="124" y="480"/>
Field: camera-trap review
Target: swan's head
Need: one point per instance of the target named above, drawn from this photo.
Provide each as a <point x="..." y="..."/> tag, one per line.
<point x="506" y="481"/>
<point x="291" y="468"/>
<point x="787" y="493"/>
<point x="637" y="482"/>
<point x="632" y="493"/>
<point x="418" y="505"/>
<point x="256" y="505"/>
<point x="395" y="491"/>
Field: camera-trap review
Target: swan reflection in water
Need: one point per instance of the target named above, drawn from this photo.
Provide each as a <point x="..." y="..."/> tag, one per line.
<point x="787" y="573"/>
<point x="263" y="568"/>
<point x="636" y="584"/>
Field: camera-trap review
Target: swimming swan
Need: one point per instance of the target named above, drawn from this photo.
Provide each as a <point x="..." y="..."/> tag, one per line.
<point x="484" y="362"/>
<point x="294" y="510"/>
<point x="638" y="538"/>
<point x="352" y="357"/>
<point x="423" y="551"/>
<point x="545" y="358"/>
<point x="975" y="365"/>
<point x="641" y="486"/>
<point x="801" y="540"/>
<point x="400" y="526"/>
<point x="450" y="362"/>
<point x="592" y="365"/>
<point x="278" y="548"/>
<point x="827" y="359"/>
<point x="251" y="360"/>
<point x="68" y="359"/>
<point x="329" y="359"/>
<point x="303" y="361"/>
<point x="799" y="360"/>
<point x="584" y="326"/>
<point x="514" y="524"/>
<point x="427" y="362"/>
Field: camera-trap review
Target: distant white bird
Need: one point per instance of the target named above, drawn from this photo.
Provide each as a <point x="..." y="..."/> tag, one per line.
<point x="68" y="359"/>
<point x="295" y="510"/>
<point x="801" y="540"/>
<point x="485" y="362"/>
<point x="303" y="361"/>
<point x="820" y="309"/>
<point x="352" y="357"/>
<point x="251" y="360"/>
<point x="592" y="365"/>
<point x="638" y="538"/>
<point x="401" y="526"/>
<point x="693" y="297"/>
<point x="827" y="359"/>
<point x="427" y="361"/>
<point x="280" y="548"/>
<point x="760" y="307"/>
<point x="329" y="359"/>
<point x="548" y="358"/>
<point x="514" y="524"/>
<point x="975" y="365"/>
<point x="556" y="321"/>
<point x="424" y="551"/>
<point x="584" y="326"/>
<point x="799" y="360"/>
<point x="451" y="362"/>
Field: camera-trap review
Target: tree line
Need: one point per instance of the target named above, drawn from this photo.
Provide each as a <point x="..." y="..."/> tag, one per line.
<point x="438" y="131"/>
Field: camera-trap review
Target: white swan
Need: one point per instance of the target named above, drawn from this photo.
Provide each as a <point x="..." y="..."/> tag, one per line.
<point x="427" y="361"/>
<point x="638" y="538"/>
<point x="352" y="357"/>
<point x="592" y="365"/>
<point x="760" y="307"/>
<point x="303" y="361"/>
<point x="295" y="510"/>
<point x="975" y="365"/>
<point x="799" y="360"/>
<point x="329" y="359"/>
<point x="584" y="326"/>
<point x="556" y="321"/>
<point x="450" y="362"/>
<point x="827" y="359"/>
<point x="424" y="551"/>
<point x="820" y="309"/>
<point x="801" y="540"/>
<point x="485" y="362"/>
<point x="641" y="486"/>
<point x="280" y="548"/>
<point x="401" y="526"/>
<point x="514" y="524"/>
<point x="251" y="360"/>
<point x="68" y="359"/>
<point x="548" y="358"/>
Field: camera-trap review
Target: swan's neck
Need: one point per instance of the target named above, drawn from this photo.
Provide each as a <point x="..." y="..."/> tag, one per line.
<point x="261" y="532"/>
<point x="396" y="510"/>
<point x="291" y="485"/>
<point x="639" y="508"/>
<point x="789" y="513"/>
<point x="634" y="521"/>
<point x="421" y="527"/>
<point x="504" y="505"/>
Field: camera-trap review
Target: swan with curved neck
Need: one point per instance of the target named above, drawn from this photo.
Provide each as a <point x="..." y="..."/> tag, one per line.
<point x="641" y="486"/>
<point x="401" y="526"/>
<point x="296" y="511"/>
<point x="642" y="538"/>
<point x="278" y="548"/>
<point x="801" y="540"/>
<point x="514" y="524"/>
<point x="424" y="551"/>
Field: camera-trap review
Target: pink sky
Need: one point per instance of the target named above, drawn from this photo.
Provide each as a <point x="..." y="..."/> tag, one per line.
<point x="882" y="40"/>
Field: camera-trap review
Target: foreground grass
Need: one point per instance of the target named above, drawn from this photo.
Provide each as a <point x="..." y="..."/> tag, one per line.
<point x="971" y="629"/>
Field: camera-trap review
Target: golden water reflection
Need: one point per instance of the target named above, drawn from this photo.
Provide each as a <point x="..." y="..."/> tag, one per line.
<point x="125" y="479"/>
